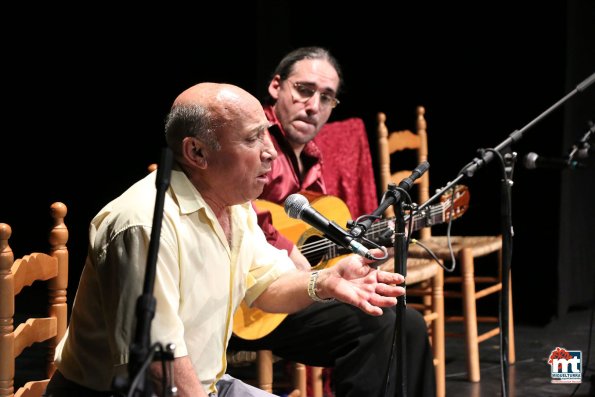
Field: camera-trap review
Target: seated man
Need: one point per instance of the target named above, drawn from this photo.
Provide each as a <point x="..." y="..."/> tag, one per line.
<point x="302" y="94"/>
<point x="212" y="255"/>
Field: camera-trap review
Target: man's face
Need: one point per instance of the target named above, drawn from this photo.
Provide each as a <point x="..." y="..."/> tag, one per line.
<point x="304" y="100"/>
<point x="240" y="168"/>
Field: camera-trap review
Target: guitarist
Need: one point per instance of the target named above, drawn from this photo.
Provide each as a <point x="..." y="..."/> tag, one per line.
<point x="302" y="94"/>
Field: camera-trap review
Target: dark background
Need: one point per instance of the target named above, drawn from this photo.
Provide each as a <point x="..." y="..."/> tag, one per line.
<point x="85" y="99"/>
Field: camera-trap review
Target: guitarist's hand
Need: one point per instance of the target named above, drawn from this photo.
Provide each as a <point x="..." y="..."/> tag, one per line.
<point x="299" y="260"/>
<point x="353" y="281"/>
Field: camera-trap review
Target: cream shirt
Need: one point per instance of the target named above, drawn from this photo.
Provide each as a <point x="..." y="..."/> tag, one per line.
<point x="200" y="281"/>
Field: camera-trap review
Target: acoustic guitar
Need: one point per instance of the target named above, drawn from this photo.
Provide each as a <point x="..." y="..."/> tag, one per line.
<point x="252" y="323"/>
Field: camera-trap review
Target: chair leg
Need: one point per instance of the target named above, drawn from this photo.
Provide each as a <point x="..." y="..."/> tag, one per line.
<point x="264" y="360"/>
<point x="438" y="332"/>
<point x="316" y="381"/>
<point x="428" y="298"/>
<point x="299" y="378"/>
<point x="470" y="314"/>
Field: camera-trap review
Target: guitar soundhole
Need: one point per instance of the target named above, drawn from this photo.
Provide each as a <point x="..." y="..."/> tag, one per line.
<point x="319" y="250"/>
<point x="315" y="249"/>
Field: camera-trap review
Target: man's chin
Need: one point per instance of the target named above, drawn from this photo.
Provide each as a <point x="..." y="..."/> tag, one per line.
<point x="303" y="137"/>
<point x="303" y="132"/>
<point x="256" y="192"/>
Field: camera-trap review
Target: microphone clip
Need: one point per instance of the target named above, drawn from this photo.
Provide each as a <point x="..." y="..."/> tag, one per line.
<point x="582" y="149"/>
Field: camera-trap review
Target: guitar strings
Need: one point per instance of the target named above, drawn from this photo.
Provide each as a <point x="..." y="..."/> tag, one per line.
<point x="324" y="244"/>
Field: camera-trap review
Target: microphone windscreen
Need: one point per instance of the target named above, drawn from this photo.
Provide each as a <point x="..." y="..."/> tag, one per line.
<point x="295" y="204"/>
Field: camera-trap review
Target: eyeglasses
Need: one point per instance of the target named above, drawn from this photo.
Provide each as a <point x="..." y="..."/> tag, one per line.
<point x="302" y="92"/>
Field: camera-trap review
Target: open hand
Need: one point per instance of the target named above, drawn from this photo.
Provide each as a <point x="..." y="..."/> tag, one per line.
<point x="352" y="280"/>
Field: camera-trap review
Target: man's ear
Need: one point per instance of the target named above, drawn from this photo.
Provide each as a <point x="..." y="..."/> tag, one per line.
<point x="274" y="87"/>
<point x="194" y="152"/>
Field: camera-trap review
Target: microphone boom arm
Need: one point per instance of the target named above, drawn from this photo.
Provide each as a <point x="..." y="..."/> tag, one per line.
<point x="516" y="135"/>
<point x="503" y="152"/>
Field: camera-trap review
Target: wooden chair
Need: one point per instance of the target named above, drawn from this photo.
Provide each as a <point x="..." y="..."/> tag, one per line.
<point x="14" y="276"/>
<point x="425" y="277"/>
<point x="467" y="249"/>
<point x="349" y="174"/>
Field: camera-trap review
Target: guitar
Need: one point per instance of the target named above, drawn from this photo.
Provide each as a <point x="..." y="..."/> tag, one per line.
<point x="252" y="323"/>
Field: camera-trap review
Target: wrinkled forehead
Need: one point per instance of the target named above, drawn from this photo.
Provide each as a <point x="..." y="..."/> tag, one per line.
<point x="245" y="117"/>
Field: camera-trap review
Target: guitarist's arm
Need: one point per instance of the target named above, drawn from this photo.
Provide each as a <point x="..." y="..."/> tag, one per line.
<point x="277" y="240"/>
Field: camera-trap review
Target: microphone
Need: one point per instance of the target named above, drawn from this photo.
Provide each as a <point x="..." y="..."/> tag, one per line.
<point x="533" y="160"/>
<point x="583" y="149"/>
<point x="298" y="207"/>
<point x="584" y="152"/>
<point x="415" y="174"/>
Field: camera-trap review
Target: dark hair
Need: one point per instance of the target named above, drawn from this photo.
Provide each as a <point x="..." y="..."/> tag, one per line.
<point x="285" y="66"/>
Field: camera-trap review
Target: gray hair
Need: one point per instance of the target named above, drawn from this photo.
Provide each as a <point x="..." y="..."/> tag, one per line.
<point x="186" y="120"/>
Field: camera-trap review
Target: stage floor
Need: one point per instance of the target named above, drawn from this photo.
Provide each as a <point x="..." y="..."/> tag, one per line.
<point x="531" y="374"/>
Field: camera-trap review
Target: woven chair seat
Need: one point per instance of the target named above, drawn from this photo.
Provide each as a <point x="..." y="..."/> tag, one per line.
<point x="480" y="245"/>
<point x="418" y="269"/>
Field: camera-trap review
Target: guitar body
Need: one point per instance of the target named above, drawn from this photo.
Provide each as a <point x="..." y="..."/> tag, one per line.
<point x="252" y="323"/>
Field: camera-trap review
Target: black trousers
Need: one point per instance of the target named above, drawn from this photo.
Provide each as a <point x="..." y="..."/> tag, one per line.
<point x="60" y="386"/>
<point x="356" y="345"/>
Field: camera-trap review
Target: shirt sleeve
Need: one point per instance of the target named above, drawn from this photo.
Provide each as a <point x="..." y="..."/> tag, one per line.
<point x="268" y="264"/>
<point x="122" y="282"/>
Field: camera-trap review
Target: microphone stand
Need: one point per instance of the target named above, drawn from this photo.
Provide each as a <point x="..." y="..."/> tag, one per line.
<point x="138" y="383"/>
<point x="504" y="153"/>
<point x="400" y="266"/>
<point x="393" y="197"/>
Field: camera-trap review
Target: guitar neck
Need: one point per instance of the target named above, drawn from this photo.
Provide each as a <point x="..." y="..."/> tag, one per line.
<point x="432" y="215"/>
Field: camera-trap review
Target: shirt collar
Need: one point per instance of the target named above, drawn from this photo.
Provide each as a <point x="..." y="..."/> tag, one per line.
<point x="185" y="194"/>
<point x="188" y="198"/>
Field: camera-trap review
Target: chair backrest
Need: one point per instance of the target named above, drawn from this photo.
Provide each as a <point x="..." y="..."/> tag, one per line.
<point x="14" y="276"/>
<point x="391" y="142"/>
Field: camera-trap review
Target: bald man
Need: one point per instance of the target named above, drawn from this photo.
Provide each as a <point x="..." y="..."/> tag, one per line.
<point x="212" y="255"/>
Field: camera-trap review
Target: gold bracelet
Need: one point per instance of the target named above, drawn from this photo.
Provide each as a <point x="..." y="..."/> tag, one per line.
<point x="312" y="288"/>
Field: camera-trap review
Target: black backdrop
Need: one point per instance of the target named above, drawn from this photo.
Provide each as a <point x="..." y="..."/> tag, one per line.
<point x="85" y="99"/>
